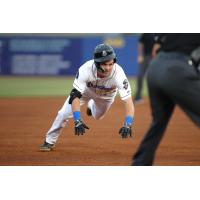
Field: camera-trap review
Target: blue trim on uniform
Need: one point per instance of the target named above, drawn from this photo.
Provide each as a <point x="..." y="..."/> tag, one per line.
<point x="128" y="120"/>
<point x="77" y="115"/>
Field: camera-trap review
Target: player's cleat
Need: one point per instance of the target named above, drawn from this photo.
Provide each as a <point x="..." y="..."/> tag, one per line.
<point x="46" y="146"/>
<point x="89" y="112"/>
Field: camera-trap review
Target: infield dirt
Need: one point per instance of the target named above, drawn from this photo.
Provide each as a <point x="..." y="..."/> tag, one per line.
<point x="24" y="122"/>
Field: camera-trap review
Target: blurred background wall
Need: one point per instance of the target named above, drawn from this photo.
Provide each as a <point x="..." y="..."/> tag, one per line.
<point x="61" y="54"/>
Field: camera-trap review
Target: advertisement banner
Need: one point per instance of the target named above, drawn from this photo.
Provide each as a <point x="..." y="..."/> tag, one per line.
<point x="39" y="56"/>
<point x="54" y="55"/>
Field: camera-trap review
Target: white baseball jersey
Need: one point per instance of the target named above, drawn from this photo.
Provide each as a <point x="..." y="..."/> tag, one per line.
<point x="88" y="83"/>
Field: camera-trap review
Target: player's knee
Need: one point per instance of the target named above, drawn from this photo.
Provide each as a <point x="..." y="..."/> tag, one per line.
<point x="98" y="117"/>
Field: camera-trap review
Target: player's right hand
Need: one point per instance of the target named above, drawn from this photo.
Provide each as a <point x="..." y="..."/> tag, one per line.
<point x="80" y="127"/>
<point x="125" y="131"/>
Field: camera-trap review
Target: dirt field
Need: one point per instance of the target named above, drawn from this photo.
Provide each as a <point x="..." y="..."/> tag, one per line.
<point x="24" y="122"/>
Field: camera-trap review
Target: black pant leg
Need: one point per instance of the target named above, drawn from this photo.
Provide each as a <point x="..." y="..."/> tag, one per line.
<point x="162" y="108"/>
<point x="184" y="88"/>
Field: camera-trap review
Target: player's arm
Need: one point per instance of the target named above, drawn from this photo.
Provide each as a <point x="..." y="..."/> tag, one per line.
<point x="129" y="107"/>
<point x="78" y="123"/>
<point x="126" y="97"/>
<point x="76" y="105"/>
<point x="74" y="100"/>
<point x="126" y="131"/>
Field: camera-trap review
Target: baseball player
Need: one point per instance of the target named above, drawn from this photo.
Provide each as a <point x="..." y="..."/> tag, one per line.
<point x="96" y="84"/>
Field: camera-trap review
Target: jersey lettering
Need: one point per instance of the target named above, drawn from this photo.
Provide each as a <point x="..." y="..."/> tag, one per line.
<point x="101" y="89"/>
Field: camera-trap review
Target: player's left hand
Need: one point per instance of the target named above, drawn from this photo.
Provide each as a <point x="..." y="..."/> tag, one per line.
<point x="125" y="131"/>
<point x="80" y="127"/>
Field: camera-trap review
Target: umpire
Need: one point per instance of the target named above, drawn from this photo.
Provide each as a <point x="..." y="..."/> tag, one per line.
<point x="173" y="78"/>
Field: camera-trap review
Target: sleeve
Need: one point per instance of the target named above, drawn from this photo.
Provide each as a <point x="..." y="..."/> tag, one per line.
<point x="80" y="80"/>
<point x="123" y="85"/>
<point x="159" y="38"/>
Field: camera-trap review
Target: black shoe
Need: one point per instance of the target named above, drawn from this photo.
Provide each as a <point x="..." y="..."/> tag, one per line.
<point x="46" y="146"/>
<point x="89" y="112"/>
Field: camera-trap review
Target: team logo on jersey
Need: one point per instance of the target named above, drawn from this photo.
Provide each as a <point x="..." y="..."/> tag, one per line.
<point x="101" y="89"/>
<point x="125" y="83"/>
<point x="104" y="53"/>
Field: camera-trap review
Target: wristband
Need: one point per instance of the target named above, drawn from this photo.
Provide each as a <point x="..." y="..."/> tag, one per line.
<point x="128" y="120"/>
<point x="77" y="115"/>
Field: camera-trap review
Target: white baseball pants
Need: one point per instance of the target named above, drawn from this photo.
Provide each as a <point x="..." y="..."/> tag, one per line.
<point x="98" y="106"/>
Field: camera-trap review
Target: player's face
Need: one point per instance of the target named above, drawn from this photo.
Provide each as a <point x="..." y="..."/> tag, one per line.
<point x="107" y="66"/>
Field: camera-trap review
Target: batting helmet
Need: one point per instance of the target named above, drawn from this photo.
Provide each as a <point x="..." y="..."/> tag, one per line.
<point x="103" y="53"/>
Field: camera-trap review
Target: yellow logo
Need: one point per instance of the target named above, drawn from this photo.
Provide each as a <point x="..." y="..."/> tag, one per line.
<point x="117" y="42"/>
